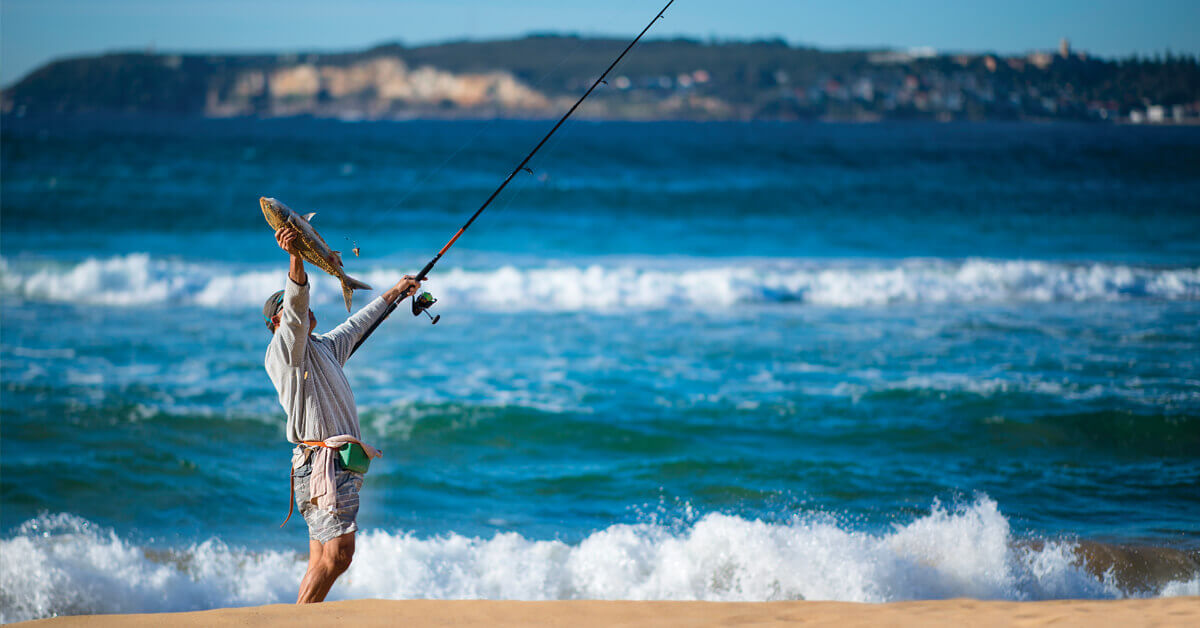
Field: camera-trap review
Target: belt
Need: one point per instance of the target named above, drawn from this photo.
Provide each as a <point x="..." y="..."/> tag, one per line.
<point x="292" y="480"/>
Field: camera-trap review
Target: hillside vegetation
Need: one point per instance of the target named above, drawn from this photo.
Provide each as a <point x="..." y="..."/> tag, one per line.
<point x="538" y="75"/>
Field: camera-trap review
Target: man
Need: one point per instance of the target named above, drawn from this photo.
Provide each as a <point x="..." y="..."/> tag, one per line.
<point x="307" y="372"/>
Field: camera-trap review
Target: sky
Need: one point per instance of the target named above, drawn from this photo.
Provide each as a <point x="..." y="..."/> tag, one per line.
<point x="33" y="32"/>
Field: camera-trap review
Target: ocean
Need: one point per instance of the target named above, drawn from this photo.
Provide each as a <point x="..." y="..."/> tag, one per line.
<point x="676" y="361"/>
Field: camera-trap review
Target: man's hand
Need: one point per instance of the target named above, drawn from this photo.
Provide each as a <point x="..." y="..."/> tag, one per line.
<point x="408" y="286"/>
<point x="286" y="237"/>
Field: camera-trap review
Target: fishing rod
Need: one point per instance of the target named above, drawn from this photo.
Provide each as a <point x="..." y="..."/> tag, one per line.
<point x="424" y="301"/>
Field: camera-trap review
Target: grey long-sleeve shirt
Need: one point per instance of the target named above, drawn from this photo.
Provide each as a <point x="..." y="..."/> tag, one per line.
<point x="321" y="404"/>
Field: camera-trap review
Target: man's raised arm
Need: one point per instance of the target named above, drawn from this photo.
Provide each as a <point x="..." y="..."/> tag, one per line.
<point x="293" y="316"/>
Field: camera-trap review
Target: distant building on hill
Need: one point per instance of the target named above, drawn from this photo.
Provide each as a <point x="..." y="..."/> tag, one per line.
<point x="539" y="76"/>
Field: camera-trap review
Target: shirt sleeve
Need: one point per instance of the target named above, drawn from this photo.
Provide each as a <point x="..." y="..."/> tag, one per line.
<point x="345" y="336"/>
<point x="292" y="333"/>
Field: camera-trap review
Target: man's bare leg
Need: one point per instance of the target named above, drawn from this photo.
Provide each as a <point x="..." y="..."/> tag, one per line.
<point x="314" y="560"/>
<point x="325" y="564"/>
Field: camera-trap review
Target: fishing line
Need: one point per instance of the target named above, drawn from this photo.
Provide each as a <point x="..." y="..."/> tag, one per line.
<point x="524" y="183"/>
<point x="422" y="303"/>
<point x="484" y="127"/>
<point x="420" y="186"/>
<point x="377" y="217"/>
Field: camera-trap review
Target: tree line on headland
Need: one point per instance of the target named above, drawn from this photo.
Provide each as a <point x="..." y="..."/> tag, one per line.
<point x="539" y="75"/>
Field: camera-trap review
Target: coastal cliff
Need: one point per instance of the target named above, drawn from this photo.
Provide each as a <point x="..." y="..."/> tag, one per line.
<point x="537" y="76"/>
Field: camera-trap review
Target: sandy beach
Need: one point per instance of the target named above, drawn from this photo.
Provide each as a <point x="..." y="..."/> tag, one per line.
<point x="1179" y="611"/>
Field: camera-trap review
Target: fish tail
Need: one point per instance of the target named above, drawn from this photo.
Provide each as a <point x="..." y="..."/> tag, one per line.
<point x="356" y="284"/>
<point x="349" y="285"/>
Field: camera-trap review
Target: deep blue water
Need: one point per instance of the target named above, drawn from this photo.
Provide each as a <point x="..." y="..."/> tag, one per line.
<point x="707" y="361"/>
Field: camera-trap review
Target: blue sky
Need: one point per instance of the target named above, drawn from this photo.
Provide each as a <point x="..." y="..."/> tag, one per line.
<point x="33" y="32"/>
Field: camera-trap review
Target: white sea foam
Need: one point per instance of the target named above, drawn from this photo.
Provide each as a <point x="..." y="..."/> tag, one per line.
<point x="1131" y="390"/>
<point x="139" y="279"/>
<point x="64" y="565"/>
<point x="1182" y="588"/>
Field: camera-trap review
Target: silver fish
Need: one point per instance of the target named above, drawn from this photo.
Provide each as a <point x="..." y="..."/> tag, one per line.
<point x="311" y="245"/>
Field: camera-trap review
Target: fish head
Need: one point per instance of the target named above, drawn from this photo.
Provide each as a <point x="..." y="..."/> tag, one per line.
<point x="276" y="213"/>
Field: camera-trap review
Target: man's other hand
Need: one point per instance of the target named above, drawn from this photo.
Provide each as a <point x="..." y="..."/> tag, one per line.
<point x="408" y="285"/>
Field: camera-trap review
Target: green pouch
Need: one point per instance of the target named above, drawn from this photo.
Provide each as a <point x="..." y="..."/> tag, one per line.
<point x="354" y="458"/>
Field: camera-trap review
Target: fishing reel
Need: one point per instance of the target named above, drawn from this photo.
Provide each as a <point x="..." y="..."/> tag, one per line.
<point x="421" y="303"/>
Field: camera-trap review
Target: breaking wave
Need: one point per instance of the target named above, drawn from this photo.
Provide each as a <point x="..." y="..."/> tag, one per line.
<point x="70" y="566"/>
<point x="139" y="279"/>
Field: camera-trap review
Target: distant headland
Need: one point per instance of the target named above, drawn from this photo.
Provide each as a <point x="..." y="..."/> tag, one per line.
<point x="537" y="76"/>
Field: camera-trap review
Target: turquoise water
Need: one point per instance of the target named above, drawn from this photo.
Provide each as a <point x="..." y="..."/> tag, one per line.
<point x="679" y="361"/>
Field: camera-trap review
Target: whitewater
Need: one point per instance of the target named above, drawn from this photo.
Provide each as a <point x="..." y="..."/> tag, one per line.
<point x="141" y="279"/>
<point x="69" y="565"/>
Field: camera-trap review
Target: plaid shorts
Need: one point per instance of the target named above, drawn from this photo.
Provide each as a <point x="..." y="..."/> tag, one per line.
<point x="324" y="526"/>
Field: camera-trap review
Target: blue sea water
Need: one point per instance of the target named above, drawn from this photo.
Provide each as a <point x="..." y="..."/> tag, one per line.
<point x="677" y="361"/>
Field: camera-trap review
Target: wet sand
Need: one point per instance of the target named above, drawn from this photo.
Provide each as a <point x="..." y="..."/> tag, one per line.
<point x="1179" y="611"/>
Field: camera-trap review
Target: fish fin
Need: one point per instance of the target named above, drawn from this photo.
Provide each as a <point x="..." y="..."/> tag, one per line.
<point x="356" y="284"/>
<point x="309" y="216"/>
<point x="347" y="294"/>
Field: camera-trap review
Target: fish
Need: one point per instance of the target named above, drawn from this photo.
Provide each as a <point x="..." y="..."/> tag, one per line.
<point x="311" y="245"/>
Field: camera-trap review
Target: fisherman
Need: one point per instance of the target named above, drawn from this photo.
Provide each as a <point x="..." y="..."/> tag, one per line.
<point x="306" y="369"/>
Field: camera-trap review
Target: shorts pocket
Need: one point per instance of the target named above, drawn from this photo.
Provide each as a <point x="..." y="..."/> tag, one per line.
<point x="347" y="479"/>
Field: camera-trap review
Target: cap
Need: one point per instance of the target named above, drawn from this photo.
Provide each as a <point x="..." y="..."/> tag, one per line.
<point x="271" y="308"/>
